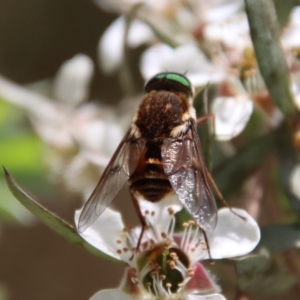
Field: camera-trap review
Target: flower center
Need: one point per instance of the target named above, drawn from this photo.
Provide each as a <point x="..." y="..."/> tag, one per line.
<point x="164" y="270"/>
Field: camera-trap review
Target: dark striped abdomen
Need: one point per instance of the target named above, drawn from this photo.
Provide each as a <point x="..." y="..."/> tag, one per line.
<point x="149" y="179"/>
<point x="151" y="189"/>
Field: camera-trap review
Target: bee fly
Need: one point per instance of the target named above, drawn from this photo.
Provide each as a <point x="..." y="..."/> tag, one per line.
<point x="159" y="156"/>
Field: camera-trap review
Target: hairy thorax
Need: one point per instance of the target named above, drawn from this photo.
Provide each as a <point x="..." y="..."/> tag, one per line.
<point x="160" y="113"/>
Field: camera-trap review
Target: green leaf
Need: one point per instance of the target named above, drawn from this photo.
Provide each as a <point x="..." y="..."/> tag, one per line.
<point x="231" y="174"/>
<point x="10" y="209"/>
<point x="125" y="73"/>
<point x="205" y="128"/>
<point x="265" y="31"/>
<point x="3" y="292"/>
<point x="264" y="274"/>
<point x="277" y="238"/>
<point x="283" y="9"/>
<point x="54" y="222"/>
<point x="158" y="26"/>
<point x="288" y="159"/>
<point x="21" y="152"/>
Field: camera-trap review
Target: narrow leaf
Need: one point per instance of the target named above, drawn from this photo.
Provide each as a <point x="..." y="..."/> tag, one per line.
<point x="264" y="274"/>
<point x="158" y="26"/>
<point x="230" y="175"/>
<point x="125" y="74"/>
<point x="283" y="9"/>
<point x="51" y="220"/>
<point x="288" y="159"/>
<point x="280" y="237"/>
<point x="265" y="30"/>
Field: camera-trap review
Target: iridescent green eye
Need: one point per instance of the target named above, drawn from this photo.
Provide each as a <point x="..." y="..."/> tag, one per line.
<point x="175" y="77"/>
<point x="169" y="82"/>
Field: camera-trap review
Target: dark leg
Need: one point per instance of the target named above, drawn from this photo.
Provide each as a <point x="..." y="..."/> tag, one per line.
<point x="142" y="220"/>
<point x="206" y="117"/>
<point x="207" y="245"/>
<point x="219" y="195"/>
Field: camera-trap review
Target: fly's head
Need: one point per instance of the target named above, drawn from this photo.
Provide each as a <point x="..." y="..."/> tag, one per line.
<point x="166" y="108"/>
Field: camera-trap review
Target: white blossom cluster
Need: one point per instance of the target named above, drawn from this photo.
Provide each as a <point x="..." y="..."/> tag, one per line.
<point x="167" y="265"/>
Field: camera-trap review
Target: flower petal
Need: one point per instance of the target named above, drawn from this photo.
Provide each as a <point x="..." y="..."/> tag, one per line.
<point x="161" y="207"/>
<point x="233" y="236"/>
<point x="79" y="174"/>
<point x="187" y="59"/>
<point x="71" y="84"/>
<point x="234" y="32"/>
<point x="295" y="16"/>
<point x="217" y="11"/>
<point x="48" y="117"/>
<point x="129" y="282"/>
<point x="201" y="282"/>
<point x="231" y="115"/>
<point x="206" y="297"/>
<point x="294" y="181"/>
<point x="110" y="47"/>
<point x="106" y="240"/>
<point x="97" y="131"/>
<point x="295" y="88"/>
<point x="160" y="217"/>
<point x="113" y="294"/>
<point x="139" y="33"/>
<point x="291" y="34"/>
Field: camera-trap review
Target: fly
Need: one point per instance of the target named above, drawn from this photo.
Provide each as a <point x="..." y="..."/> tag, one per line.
<point x="159" y="156"/>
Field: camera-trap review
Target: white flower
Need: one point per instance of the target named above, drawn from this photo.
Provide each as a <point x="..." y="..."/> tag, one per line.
<point x="174" y="21"/>
<point x="71" y="84"/>
<point x="187" y="59"/>
<point x="294" y="181"/>
<point x="232" y="109"/>
<point x="81" y="139"/>
<point x="51" y="117"/>
<point x="296" y="92"/>
<point x="231" y="115"/>
<point x="213" y="10"/>
<point x="166" y="264"/>
<point x="115" y="239"/>
<point x="118" y="294"/>
<point x="123" y="6"/>
<point x="110" y="47"/>
<point x="291" y="34"/>
<point x="232" y="33"/>
<point x="96" y="129"/>
<point x="96" y="132"/>
<point x="295" y="81"/>
<point x="71" y="87"/>
<point x="216" y="10"/>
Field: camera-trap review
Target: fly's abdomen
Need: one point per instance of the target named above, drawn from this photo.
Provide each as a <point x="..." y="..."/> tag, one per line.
<point x="149" y="179"/>
<point x="151" y="189"/>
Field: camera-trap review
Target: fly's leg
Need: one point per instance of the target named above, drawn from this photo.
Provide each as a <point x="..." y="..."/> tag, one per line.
<point x="207" y="246"/>
<point x="204" y="118"/>
<point x="220" y="196"/>
<point x="211" y="180"/>
<point x="142" y="220"/>
<point x="208" y="134"/>
<point x="207" y="117"/>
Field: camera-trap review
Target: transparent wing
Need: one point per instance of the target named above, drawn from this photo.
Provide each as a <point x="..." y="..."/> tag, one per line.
<point x="185" y="167"/>
<point x="118" y="171"/>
